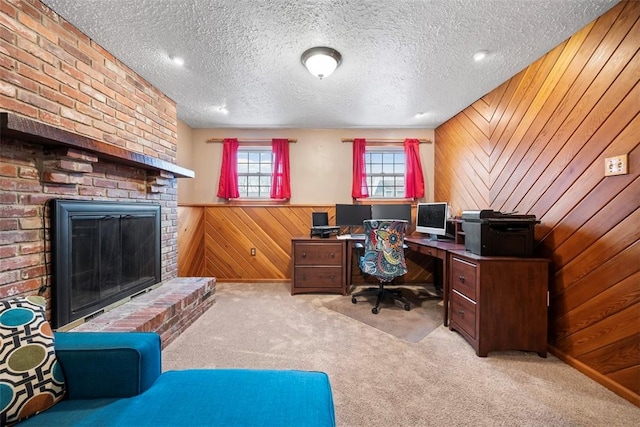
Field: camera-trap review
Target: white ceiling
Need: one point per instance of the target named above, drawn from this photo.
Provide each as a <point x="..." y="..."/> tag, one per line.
<point x="400" y="57"/>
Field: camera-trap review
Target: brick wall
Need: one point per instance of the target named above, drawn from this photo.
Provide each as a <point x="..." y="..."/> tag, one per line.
<point x="52" y="73"/>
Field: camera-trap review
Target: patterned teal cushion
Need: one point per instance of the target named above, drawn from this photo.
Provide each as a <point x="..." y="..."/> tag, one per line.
<point x="30" y="377"/>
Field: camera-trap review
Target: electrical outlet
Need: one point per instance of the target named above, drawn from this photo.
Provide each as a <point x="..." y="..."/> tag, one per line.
<point x="253" y="251"/>
<point x="616" y="165"/>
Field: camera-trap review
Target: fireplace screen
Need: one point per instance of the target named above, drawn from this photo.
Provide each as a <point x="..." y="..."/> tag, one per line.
<point x="102" y="252"/>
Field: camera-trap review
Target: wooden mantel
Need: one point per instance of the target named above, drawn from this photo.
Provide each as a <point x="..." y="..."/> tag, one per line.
<point x="25" y="129"/>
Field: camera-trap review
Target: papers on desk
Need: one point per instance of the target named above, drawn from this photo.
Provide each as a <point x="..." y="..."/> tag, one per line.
<point x="351" y="236"/>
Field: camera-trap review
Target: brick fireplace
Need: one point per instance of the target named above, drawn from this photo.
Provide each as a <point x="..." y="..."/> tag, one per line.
<point x="75" y="123"/>
<point x="37" y="166"/>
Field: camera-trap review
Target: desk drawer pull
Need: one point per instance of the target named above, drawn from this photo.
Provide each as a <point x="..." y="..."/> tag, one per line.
<point x="461" y="312"/>
<point x="332" y="255"/>
<point x="304" y="277"/>
<point x="304" y="254"/>
<point x="461" y="278"/>
<point x="332" y="277"/>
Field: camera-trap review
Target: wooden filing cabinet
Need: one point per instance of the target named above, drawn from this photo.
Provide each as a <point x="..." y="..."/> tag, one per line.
<point x="499" y="303"/>
<point x="318" y="265"/>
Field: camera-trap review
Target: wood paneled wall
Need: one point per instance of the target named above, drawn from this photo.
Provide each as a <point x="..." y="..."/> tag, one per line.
<point x="191" y="241"/>
<point x="216" y="241"/>
<point x="537" y="144"/>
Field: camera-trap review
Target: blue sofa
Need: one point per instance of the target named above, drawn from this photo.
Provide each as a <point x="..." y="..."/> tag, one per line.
<point x="115" y="379"/>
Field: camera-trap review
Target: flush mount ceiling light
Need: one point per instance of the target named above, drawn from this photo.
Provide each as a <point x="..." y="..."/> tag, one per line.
<point x="321" y="61"/>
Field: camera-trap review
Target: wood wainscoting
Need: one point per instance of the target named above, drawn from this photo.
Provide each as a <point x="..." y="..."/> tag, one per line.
<point x="537" y="144"/>
<point x="191" y="241"/>
<point x="216" y="241"/>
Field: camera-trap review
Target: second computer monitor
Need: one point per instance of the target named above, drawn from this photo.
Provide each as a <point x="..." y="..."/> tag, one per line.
<point x="394" y="211"/>
<point x="352" y="215"/>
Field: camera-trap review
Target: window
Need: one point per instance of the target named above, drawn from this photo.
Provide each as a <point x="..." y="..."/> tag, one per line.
<point x="385" y="167"/>
<point x="255" y="166"/>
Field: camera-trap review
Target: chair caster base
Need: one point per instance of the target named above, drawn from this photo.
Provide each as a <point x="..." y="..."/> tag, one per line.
<point x="382" y="294"/>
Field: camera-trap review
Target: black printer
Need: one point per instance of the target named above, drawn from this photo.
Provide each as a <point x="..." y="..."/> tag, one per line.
<point x="491" y="233"/>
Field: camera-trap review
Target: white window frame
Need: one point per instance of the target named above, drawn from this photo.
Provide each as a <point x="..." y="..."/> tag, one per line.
<point x="254" y="175"/>
<point x="380" y="170"/>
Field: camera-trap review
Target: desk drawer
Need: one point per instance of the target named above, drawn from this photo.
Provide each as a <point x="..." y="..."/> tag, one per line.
<point x="318" y="254"/>
<point x="463" y="313"/>
<point x="434" y="252"/>
<point x="318" y="277"/>
<point x="463" y="278"/>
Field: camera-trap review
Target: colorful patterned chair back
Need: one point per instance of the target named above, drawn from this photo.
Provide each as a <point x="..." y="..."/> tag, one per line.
<point x="384" y="249"/>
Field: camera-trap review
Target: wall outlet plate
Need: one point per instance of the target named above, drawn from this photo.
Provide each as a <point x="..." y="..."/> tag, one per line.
<point x="616" y="165"/>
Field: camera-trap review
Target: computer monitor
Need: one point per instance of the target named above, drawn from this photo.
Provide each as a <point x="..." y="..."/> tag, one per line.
<point x="395" y="211"/>
<point x="352" y="215"/>
<point x="319" y="219"/>
<point x="431" y="218"/>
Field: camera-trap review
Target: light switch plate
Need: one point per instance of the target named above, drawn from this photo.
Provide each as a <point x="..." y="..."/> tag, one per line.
<point x="616" y="165"/>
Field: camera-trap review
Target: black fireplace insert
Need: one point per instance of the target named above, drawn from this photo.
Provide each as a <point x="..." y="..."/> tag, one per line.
<point x="102" y="252"/>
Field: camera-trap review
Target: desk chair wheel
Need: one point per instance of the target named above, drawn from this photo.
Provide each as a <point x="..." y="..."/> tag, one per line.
<point x="407" y="307"/>
<point x="374" y="310"/>
<point x="353" y="300"/>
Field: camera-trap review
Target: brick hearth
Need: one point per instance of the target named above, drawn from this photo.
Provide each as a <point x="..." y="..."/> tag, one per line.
<point x="168" y="309"/>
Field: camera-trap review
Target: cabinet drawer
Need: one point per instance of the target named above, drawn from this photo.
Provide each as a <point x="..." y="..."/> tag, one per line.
<point x="318" y="277"/>
<point x="463" y="313"/>
<point x="463" y="278"/>
<point x="434" y="252"/>
<point x="318" y="254"/>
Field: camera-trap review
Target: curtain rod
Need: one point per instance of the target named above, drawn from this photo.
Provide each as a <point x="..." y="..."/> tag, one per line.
<point x="250" y="140"/>
<point x="422" y="141"/>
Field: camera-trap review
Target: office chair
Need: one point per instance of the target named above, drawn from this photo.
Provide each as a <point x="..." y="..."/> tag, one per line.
<point x="383" y="258"/>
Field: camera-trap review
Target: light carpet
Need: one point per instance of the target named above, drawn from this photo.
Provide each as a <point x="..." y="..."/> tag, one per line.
<point x="423" y="318"/>
<point x="381" y="380"/>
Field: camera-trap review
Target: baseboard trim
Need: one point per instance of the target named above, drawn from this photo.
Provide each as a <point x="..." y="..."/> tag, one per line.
<point x="596" y="376"/>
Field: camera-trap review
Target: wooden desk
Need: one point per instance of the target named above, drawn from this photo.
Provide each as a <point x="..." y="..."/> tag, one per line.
<point x="495" y="303"/>
<point x="438" y="249"/>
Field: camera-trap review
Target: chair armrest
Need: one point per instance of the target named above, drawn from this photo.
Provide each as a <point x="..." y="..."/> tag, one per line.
<point x="108" y="364"/>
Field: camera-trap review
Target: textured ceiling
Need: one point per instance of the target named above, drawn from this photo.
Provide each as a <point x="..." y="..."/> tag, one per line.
<point x="400" y="57"/>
